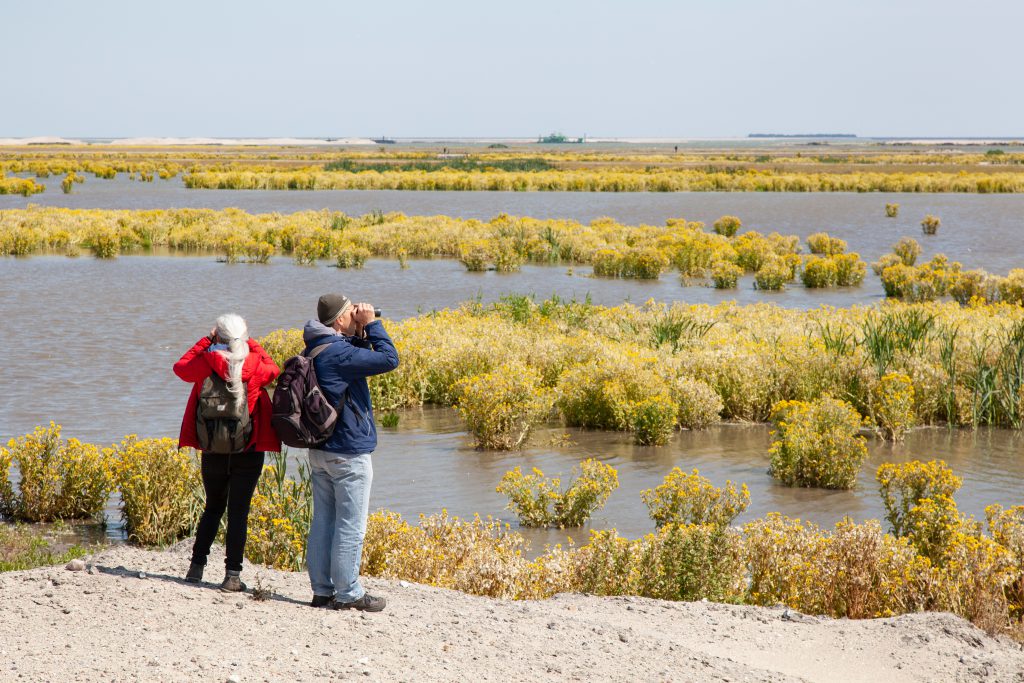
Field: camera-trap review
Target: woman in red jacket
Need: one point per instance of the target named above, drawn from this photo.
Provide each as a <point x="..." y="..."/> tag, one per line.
<point x="228" y="478"/>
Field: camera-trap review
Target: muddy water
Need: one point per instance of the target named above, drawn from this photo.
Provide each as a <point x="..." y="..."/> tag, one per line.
<point x="428" y="463"/>
<point x="90" y="343"/>
<point x="980" y="231"/>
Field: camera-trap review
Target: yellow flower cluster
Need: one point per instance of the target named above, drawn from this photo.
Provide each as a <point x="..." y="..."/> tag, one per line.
<point x="539" y="501"/>
<point x="504" y="243"/>
<point x="691" y="499"/>
<point x="649" y="368"/>
<point x="1007" y="529"/>
<point x="501" y="407"/>
<point x="279" y="517"/>
<point x="636" y="179"/>
<point x="60" y="479"/>
<point x="26" y="187"/>
<point x="817" y="443"/>
<point x="903" y="485"/>
<point x="892" y="405"/>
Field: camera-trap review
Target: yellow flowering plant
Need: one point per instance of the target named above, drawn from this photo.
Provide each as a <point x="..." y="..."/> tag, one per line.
<point x="161" y="489"/>
<point x="816" y="443"/>
<point x="501" y="407"/>
<point x="692" y="499"/>
<point x="539" y="501"/>
<point x="60" y="479"/>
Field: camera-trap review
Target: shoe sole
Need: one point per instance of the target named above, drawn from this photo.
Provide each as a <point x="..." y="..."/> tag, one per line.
<point x="361" y="609"/>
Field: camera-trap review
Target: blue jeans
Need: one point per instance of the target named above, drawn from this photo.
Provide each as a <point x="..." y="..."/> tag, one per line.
<point x="341" y="502"/>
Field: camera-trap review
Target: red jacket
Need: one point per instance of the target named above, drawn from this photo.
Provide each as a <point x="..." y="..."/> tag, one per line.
<point x="258" y="370"/>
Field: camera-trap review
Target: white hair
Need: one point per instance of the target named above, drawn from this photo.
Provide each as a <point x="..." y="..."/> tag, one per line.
<point x="232" y="330"/>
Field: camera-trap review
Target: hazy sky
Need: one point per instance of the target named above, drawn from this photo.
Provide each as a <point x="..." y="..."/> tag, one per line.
<point x="476" y="68"/>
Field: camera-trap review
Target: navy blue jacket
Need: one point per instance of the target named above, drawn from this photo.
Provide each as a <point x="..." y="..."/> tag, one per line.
<point x="344" y="365"/>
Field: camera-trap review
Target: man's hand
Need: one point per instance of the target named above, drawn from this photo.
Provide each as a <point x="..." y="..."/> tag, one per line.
<point x="363" y="315"/>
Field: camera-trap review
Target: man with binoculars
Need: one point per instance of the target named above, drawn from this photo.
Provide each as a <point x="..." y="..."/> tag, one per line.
<point x="353" y="346"/>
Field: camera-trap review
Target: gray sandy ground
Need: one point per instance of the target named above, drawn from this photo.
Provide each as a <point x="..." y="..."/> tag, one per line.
<point x="112" y="623"/>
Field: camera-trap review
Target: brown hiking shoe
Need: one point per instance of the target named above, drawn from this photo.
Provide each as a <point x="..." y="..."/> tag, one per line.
<point x="367" y="603"/>
<point x="232" y="584"/>
<point x="195" y="573"/>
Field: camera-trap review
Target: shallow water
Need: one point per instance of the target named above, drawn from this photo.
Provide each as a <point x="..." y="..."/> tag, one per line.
<point x="90" y="343"/>
<point x="428" y="463"/>
<point x="980" y="231"/>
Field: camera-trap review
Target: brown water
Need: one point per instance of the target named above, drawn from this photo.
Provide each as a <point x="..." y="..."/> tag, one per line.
<point x="90" y="343"/>
<point x="428" y="463"/>
<point x="980" y="231"/>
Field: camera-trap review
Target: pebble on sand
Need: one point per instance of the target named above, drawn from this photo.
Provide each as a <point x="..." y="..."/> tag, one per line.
<point x="75" y="565"/>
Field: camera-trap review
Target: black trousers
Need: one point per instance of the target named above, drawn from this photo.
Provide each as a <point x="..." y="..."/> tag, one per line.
<point x="230" y="481"/>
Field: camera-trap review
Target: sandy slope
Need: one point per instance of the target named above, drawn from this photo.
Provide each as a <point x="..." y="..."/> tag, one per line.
<point x="115" y="625"/>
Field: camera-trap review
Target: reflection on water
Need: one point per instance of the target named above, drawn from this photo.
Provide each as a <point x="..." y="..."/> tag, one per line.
<point x="976" y="229"/>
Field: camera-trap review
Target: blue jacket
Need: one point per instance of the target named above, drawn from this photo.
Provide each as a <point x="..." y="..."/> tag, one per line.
<point x="345" y="365"/>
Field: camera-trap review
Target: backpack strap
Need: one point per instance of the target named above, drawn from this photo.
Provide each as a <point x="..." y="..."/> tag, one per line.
<point x="344" y="398"/>
<point x="316" y="351"/>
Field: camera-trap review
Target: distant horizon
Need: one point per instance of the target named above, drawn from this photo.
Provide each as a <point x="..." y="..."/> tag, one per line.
<point x="596" y="139"/>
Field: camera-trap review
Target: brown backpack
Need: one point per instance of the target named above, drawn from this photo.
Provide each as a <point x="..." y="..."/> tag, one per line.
<point x="223" y="423"/>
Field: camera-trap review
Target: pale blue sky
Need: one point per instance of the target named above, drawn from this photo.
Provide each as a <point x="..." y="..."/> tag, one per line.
<point x="652" y="68"/>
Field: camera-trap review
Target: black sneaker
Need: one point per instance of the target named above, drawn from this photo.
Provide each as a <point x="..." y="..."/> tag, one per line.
<point x="195" y="573"/>
<point x="367" y="603"/>
<point x="322" y="601"/>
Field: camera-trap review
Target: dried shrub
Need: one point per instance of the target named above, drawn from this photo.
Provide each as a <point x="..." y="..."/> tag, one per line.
<point x="699" y="404"/>
<point x="677" y="562"/>
<point x="161" y="489"/>
<point x="476" y="556"/>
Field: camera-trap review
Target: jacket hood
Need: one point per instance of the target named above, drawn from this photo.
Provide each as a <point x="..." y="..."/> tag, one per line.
<point x="314" y="330"/>
<point x="219" y="364"/>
